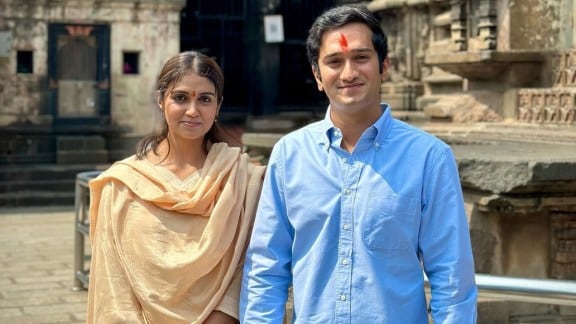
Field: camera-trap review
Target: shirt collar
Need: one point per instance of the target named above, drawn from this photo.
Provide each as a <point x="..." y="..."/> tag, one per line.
<point x="377" y="132"/>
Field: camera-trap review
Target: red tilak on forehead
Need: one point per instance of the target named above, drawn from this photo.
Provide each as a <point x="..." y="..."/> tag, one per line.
<point x="343" y="42"/>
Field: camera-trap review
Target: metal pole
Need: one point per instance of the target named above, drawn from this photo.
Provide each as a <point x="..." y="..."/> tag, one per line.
<point x="541" y="291"/>
<point x="78" y="237"/>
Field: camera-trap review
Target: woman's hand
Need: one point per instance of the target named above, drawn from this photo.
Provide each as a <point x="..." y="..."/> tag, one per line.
<point x="218" y="317"/>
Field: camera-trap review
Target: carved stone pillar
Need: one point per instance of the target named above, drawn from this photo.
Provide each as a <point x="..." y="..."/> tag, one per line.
<point x="458" y="27"/>
<point x="487" y="24"/>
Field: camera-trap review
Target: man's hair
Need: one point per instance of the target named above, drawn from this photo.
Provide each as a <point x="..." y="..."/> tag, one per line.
<point x="340" y="16"/>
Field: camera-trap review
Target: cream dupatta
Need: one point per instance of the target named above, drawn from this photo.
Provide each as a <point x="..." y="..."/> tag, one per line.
<point x="160" y="255"/>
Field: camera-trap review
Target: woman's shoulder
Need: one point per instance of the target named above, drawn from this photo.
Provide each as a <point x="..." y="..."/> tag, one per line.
<point x="256" y="171"/>
<point x="123" y="167"/>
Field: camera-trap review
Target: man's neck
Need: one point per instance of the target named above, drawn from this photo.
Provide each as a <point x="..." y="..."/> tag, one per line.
<point x="352" y="126"/>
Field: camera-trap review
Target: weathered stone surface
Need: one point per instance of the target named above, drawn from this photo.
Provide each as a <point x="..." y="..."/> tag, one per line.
<point x="461" y="109"/>
<point x="36" y="281"/>
<point x="506" y="167"/>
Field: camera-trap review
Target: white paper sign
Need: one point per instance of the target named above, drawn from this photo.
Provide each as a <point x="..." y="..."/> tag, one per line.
<point x="5" y="43"/>
<point x="273" y="29"/>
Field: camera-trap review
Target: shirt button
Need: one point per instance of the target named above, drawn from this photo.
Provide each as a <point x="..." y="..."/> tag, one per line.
<point x="342" y="297"/>
<point x="345" y="261"/>
<point x="346" y="226"/>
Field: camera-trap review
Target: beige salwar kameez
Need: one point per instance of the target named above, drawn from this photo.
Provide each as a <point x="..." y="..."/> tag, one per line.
<point x="168" y="253"/>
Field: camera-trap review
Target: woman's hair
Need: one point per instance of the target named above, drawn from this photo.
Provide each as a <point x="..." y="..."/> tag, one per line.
<point x="172" y="72"/>
<point x="338" y="17"/>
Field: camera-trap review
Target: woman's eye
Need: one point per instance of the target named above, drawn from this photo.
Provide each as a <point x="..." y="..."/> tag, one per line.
<point x="179" y="98"/>
<point x="205" y="99"/>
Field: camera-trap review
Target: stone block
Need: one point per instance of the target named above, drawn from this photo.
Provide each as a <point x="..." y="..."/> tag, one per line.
<point x="80" y="143"/>
<point x="82" y="157"/>
<point x="492" y="311"/>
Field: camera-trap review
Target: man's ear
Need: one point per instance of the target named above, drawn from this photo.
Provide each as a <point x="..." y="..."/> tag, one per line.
<point x="318" y="79"/>
<point x="385" y="67"/>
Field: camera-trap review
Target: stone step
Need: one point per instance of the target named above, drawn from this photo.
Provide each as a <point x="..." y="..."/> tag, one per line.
<point x="60" y="185"/>
<point x="40" y="184"/>
<point x="26" y="158"/>
<point x="75" y="157"/>
<point x="36" y="198"/>
<point x="543" y="319"/>
<point x="80" y="143"/>
<point x="32" y="172"/>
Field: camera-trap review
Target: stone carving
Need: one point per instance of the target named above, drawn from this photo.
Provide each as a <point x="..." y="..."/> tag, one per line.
<point x="567" y="108"/>
<point x="487" y="24"/>
<point x="552" y="105"/>
<point x="556" y="105"/>
<point x="397" y="56"/>
<point x="458" y="28"/>
<point x="552" y="108"/>
<point x="537" y="107"/>
<point x="563" y="258"/>
<point x="524" y="112"/>
<point x="566" y="71"/>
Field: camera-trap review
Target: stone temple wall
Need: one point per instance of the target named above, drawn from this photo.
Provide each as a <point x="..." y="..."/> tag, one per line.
<point x="554" y="105"/>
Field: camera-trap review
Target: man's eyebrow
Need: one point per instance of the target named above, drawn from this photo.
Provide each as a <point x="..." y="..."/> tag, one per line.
<point x="362" y="50"/>
<point x="354" y="51"/>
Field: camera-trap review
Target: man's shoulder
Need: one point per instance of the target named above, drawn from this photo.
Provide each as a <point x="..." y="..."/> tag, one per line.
<point x="409" y="132"/>
<point x="303" y="138"/>
<point x="310" y="130"/>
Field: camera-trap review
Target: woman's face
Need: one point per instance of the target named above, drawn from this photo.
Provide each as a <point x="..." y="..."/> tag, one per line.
<point x="190" y="108"/>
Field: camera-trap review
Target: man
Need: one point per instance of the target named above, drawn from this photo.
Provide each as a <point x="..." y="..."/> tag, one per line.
<point x="357" y="207"/>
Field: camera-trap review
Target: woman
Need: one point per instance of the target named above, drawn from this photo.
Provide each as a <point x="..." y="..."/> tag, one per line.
<point x="169" y="225"/>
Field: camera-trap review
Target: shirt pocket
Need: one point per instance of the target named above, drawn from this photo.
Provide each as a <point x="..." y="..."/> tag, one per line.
<point x="391" y="223"/>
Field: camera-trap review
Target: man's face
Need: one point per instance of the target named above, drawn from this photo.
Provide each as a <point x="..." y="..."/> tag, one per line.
<point x="348" y="68"/>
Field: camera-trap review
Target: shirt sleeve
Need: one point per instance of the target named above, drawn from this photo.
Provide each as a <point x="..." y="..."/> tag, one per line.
<point x="267" y="273"/>
<point x="445" y="243"/>
<point x="110" y="297"/>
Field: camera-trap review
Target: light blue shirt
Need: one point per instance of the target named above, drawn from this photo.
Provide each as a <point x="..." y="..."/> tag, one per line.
<point x="354" y="232"/>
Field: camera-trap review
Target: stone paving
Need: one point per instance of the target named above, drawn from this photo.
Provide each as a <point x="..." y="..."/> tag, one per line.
<point x="37" y="272"/>
<point x="36" y="267"/>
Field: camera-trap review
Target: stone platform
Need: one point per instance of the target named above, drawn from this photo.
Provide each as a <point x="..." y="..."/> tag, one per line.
<point x="36" y="267"/>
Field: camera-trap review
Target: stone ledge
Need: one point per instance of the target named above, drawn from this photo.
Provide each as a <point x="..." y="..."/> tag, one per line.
<point x="516" y="167"/>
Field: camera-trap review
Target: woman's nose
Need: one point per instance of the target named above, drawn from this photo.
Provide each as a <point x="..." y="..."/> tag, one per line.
<point x="191" y="110"/>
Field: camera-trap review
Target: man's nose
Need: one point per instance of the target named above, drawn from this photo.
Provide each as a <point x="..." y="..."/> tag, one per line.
<point x="349" y="72"/>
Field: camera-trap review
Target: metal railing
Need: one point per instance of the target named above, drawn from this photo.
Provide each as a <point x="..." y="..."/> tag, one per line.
<point x="530" y="290"/>
<point x="541" y="291"/>
<point x="82" y="229"/>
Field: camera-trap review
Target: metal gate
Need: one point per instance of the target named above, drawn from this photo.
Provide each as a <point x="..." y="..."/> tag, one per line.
<point x="217" y="28"/>
<point x="78" y="73"/>
<point x="256" y="73"/>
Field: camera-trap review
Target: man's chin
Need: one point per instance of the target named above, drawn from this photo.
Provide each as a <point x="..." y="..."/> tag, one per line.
<point x="349" y="100"/>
